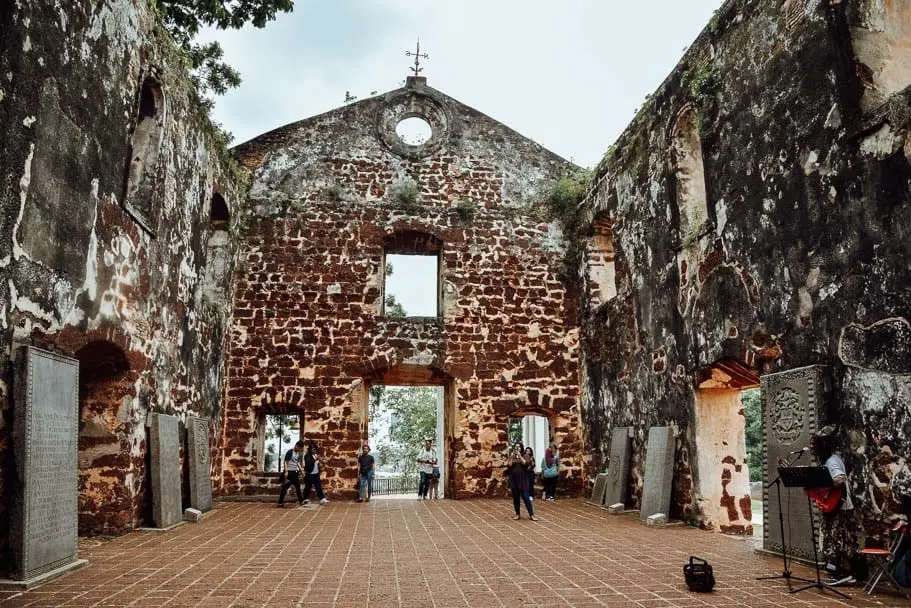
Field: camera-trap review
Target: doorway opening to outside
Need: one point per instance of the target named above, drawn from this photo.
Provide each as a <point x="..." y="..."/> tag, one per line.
<point x="400" y="420"/>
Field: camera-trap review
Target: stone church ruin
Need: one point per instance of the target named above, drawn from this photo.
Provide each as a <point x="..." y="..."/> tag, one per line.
<point x="751" y="228"/>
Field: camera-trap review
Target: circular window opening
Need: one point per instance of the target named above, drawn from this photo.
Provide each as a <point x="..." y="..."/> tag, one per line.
<point x="413" y="131"/>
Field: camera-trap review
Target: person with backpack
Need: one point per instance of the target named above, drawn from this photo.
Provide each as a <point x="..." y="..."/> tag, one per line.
<point x="550" y="473"/>
<point x="291" y="473"/>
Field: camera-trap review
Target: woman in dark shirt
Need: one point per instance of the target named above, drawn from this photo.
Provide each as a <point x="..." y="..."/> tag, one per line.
<point x="530" y="457"/>
<point x="517" y="471"/>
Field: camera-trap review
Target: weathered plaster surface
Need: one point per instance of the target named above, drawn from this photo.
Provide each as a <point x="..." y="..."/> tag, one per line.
<point x="802" y="258"/>
<point x="79" y="274"/>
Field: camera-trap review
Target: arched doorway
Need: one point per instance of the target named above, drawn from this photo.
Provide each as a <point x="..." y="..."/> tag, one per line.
<point x="108" y="482"/>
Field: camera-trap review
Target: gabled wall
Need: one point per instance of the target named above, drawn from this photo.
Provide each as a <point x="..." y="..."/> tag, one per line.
<point x="309" y="333"/>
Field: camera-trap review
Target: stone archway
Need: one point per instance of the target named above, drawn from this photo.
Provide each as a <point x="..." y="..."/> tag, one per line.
<point x="108" y="478"/>
<point x="722" y="474"/>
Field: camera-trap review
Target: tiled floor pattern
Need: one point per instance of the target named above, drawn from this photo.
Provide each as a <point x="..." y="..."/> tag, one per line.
<point x="411" y="554"/>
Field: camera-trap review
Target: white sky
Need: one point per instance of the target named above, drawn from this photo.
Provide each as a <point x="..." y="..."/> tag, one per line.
<point x="568" y="74"/>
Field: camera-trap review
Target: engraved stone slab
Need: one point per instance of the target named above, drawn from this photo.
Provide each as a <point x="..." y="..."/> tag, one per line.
<point x="597" y="497"/>
<point x="200" y="468"/>
<point x="790" y="414"/>
<point x="43" y="524"/>
<point x="659" y="472"/>
<point x="165" y="456"/>
<point x="618" y="471"/>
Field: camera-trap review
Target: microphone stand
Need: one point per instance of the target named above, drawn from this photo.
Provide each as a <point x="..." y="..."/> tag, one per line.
<point x="785" y="572"/>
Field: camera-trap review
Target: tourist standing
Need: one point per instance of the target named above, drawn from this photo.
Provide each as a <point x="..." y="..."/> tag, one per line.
<point x="517" y="472"/>
<point x="427" y="459"/>
<point x="312" y="468"/>
<point x="291" y="470"/>
<point x="434" y="484"/>
<point x="366" y="465"/>
<point x="550" y="473"/>
<point x="530" y="462"/>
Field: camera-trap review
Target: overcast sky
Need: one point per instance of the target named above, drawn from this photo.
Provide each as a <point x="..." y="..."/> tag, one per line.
<point x="568" y="74"/>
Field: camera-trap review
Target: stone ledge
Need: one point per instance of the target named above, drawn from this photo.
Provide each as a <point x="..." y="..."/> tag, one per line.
<point x="35" y="581"/>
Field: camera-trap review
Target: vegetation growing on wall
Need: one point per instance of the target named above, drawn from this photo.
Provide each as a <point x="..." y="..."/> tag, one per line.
<point x="701" y="83"/>
<point x="564" y="201"/>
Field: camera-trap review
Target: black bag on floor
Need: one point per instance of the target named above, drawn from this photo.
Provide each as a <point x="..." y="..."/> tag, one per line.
<point x="698" y="575"/>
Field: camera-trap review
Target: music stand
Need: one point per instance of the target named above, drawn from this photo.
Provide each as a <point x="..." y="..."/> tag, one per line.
<point x="810" y="477"/>
<point x="786" y="571"/>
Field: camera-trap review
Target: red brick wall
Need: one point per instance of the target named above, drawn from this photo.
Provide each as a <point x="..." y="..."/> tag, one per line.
<point x="307" y="335"/>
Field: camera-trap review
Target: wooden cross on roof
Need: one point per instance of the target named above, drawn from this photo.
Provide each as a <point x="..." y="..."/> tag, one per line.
<point x="418" y="55"/>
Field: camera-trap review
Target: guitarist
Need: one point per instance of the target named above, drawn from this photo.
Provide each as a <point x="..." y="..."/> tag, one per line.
<point x="839" y="544"/>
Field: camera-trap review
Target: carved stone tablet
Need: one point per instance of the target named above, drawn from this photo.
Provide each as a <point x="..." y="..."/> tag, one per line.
<point x="200" y="468"/>
<point x="165" y="457"/>
<point x="618" y="471"/>
<point x="597" y="497"/>
<point x="659" y="472"/>
<point x="43" y="524"/>
<point x="790" y="410"/>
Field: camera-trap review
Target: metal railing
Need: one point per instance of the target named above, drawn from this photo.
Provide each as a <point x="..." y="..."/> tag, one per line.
<point x="386" y="486"/>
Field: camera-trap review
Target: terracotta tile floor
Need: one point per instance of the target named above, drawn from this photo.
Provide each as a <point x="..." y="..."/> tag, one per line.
<point x="412" y="554"/>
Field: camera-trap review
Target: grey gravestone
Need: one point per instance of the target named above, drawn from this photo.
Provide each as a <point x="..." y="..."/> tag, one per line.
<point x="790" y="414"/>
<point x="659" y="472"/>
<point x="165" y="456"/>
<point x="618" y="471"/>
<point x="597" y="497"/>
<point x="44" y="514"/>
<point x="200" y="468"/>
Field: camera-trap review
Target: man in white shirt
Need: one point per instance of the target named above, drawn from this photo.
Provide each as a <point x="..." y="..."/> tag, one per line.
<point x="427" y="459"/>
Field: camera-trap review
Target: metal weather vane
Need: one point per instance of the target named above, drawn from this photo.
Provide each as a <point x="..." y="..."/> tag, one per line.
<point x="418" y="55"/>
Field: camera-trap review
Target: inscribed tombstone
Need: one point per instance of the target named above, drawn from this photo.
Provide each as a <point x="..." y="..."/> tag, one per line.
<point x="659" y="472"/>
<point x="618" y="471"/>
<point x="165" y="460"/>
<point x="790" y="414"/>
<point x="200" y="469"/>
<point x="597" y="497"/>
<point x="43" y="518"/>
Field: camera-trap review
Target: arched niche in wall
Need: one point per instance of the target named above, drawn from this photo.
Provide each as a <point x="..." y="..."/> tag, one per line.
<point x="145" y="146"/>
<point x="218" y="259"/>
<point x="688" y="174"/>
<point x="599" y="258"/>
<point x="882" y="46"/>
<point x="106" y="498"/>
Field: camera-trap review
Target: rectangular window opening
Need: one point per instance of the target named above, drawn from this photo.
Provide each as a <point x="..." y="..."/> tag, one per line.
<point x="280" y="433"/>
<point x="411" y="285"/>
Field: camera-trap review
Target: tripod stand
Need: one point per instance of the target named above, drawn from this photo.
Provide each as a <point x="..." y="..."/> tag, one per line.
<point x="809" y="477"/>
<point x="785" y="570"/>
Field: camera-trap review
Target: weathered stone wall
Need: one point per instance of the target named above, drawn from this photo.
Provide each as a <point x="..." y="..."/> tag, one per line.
<point x="760" y="217"/>
<point x="124" y="291"/>
<point x="309" y="335"/>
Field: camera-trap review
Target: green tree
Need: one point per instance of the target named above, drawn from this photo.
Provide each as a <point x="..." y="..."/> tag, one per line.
<point x="752" y="411"/>
<point x="392" y="306"/>
<point x="515" y="430"/>
<point x="411" y="415"/>
<point x="277" y="427"/>
<point x="184" y="18"/>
